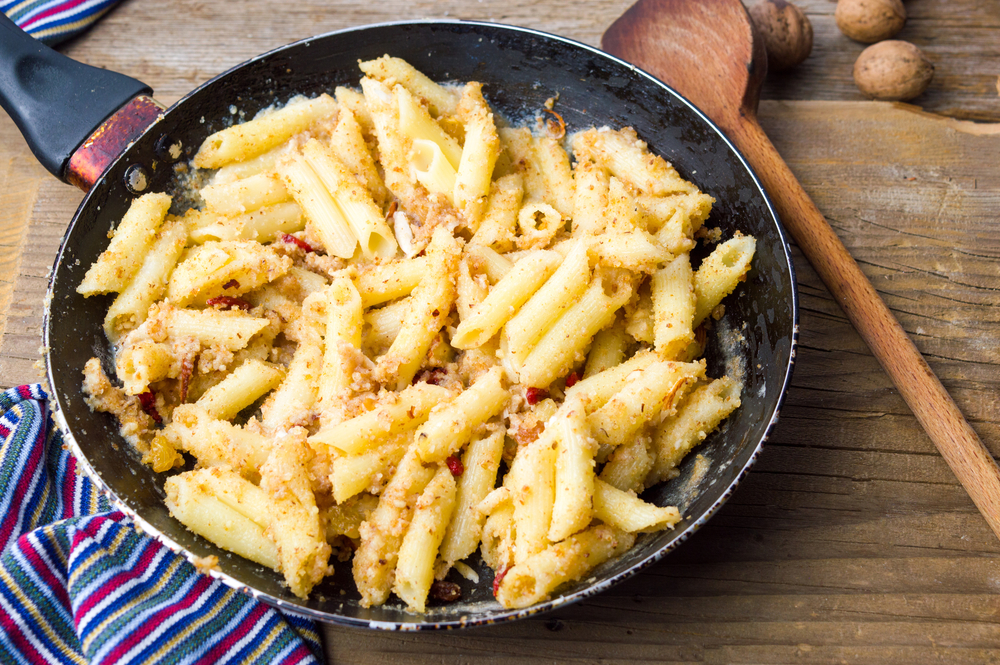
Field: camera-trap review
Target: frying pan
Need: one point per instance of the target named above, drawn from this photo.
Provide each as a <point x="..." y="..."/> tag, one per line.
<point x="520" y="68"/>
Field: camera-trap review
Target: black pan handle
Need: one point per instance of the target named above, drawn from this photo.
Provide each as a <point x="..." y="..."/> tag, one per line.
<point x="56" y="102"/>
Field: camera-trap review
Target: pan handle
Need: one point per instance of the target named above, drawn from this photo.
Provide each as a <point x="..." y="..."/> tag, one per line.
<point x="56" y="102"/>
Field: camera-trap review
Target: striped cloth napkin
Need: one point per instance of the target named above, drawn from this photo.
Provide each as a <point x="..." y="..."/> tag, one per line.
<point x="80" y="584"/>
<point x="52" y="21"/>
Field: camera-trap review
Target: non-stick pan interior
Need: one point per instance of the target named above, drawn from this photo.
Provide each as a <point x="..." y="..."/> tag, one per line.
<point x="521" y="69"/>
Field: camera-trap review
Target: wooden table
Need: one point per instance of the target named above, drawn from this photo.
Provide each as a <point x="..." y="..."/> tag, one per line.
<point x="851" y="541"/>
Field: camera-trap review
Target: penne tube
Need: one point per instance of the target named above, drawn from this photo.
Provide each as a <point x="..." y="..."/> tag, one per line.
<point x="545" y="307"/>
<point x="343" y="326"/>
<point x="531" y="480"/>
<point x="264" y="163"/>
<point x="590" y="200"/>
<point x="381" y="536"/>
<point x="481" y="463"/>
<point x="697" y="417"/>
<point x="719" y="274"/>
<point x="363" y="432"/>
<point x="354" y="101"/>
<point x="231" y="329"/>
<point x="385" y="323"/>
<point x="295" y="520"/>
<point x="229" y="511"/>
<point x="262" y="225"/>
<point x="567" y="339"/>
<point x="431" y="303"/>
<point x="292" y="403"/>
<point x="450" y="425"/>
<point x="417" y="124"/>
<point x="624" y="510"/>
<point x="348" y="144"/>
<point x="504" y="299"/>
<point x="626" y="157"/>
<point x="215" y="442"/>
<point x="355" y="203"/>
<point x="633" y="250"/>
<point x="479" y="155"/>
<point x="430" y="167"/>
<point x="650" y="393"/>
<point x="572" y="508"/>
<point x="673" y="294"/>
<point x="441" y="100"/>
<point x="245" y="195"/>
<point x="224" y="268"/>
<point x="495" y="265"/>
<point x="600" y="387"/>
<point x="319" y="206"/>
<point x="607" y="351"/>
<point x="499" y="223"/>
<point x="418" y="552"/>
<point x="352" y="474"/>
<point x="553" y="163"/>
<point x="383" y="282"/>
<point x="266" y="131"/>
<point x="132" y="240"/>
<point x="130" y="307"/>
<point x="244" y="386"/>
<point x="532" y="580"/>
<point x="629" y="465"/>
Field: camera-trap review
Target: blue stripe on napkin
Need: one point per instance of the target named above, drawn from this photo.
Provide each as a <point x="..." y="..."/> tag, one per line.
<point x="54" y="21"/>
<point x="80" y="584"/>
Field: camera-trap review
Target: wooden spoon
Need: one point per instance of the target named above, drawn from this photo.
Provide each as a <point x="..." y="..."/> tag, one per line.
<point x="707" y="50"/>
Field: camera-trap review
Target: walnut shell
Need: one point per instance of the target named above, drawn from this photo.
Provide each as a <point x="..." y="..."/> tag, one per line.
<point x="786" y="31"/>
<point x="870" y="21"/>
<point x="892" y="70"/>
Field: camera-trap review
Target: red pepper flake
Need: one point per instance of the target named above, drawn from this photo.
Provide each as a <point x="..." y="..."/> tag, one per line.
<point x="187" y="369"/>
<point x="498" y="578"/>
<point x="536" y="395"/>
<point x="392" y="210"/>
<point x="228" y="302"/>
<point x="231" y="284"/>
<point x="301" y="244"/>
<point x="148" y="402"/>
<point x="572" y="379"/>
<point x="455" y="466"/>
<point x="447" y="592"/>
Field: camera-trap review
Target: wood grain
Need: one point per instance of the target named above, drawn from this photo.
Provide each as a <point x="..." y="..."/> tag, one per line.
<point x="850" y="541"/>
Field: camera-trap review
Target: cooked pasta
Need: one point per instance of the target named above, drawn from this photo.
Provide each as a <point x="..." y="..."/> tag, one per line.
<point x="399" y="329"/>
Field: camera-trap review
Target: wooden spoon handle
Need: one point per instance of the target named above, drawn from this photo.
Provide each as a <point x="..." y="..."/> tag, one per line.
<point x="935" y="410"/>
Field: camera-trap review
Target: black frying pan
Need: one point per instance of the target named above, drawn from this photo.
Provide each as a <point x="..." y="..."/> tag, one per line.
<point x="520" y="69"/>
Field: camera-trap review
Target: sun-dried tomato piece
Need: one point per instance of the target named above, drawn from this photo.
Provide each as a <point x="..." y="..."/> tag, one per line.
<point x="231" y="284"/>
<point x="433" y="376"/>
<point x="299" y="242"/>
<point x="228" y="302"/>
<point x="498" y="578"/>
<point x="572" y="379"/>
<point x="455" y="466"/>
<point x="536" y="395"/>
<point x="148" y="402"/>
<point x="187" y="369"/>
<point x="446" y="592"/>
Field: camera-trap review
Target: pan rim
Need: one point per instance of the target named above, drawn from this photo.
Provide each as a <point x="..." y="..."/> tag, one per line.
<point x="460" y="622"/>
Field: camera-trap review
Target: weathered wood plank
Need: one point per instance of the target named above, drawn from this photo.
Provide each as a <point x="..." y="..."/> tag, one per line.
<point x="850" y="541"/>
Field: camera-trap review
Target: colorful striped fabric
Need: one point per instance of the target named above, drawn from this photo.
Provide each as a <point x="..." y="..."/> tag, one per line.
<point x="54" y="21"/>
<point x="80" y="584"/>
